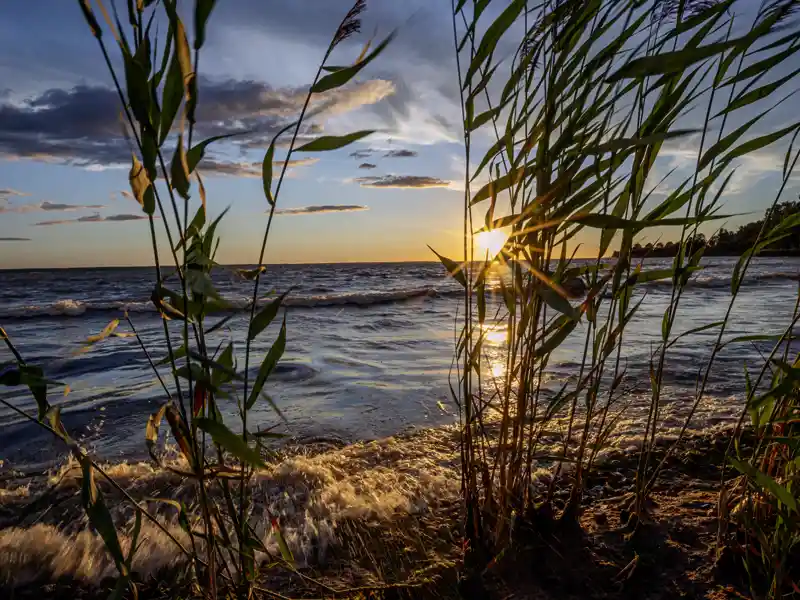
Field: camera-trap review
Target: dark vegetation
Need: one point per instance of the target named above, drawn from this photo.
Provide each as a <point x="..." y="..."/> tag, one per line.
<point x="735" y="243"/>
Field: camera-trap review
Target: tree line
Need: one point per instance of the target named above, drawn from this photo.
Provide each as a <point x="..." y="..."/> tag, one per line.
<point x="726" y="242"/>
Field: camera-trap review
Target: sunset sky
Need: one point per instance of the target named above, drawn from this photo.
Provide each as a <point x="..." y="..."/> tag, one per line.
<point x="64" y="162"/>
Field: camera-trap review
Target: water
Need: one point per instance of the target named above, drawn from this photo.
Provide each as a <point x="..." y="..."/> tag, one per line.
<point x="368" y="354"/>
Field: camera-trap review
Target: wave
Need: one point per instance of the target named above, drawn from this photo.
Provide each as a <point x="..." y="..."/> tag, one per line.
<point x="724" y="281"/>
<point x="76" y="308"/>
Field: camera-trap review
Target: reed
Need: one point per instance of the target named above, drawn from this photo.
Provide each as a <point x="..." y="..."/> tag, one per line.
<point x="158" y="92"/>
<point x="578" y="118"/>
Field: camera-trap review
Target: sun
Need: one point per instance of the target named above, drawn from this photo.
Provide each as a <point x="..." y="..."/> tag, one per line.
<point x="490" y="242"/>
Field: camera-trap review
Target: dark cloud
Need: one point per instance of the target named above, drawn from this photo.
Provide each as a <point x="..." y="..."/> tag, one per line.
<point x="45" y="206"/>
<point x="401" y="181"/>
<point x="95" y="218"/>
<point x="6" y="193"/>
<point x="211" y="166"/>
<point x="81" y="125"/>
<point x="362" y="153"/>
<point x="367" y="166"/>
<point x="14" y="239"/>
<point x="234" y="169"/>
<point x="296" y="162"/>
<point x="55" y="206"/>
<point x="402" y="153"/>
<point x="324" y="208"/>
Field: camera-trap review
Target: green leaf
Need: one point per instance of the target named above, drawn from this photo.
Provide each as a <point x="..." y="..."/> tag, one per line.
<point x="766" y="483"/>
<point x="183" y="52"/>
<point x="196" y="153"/>
<point x="99" y="517"/>
<point x="138" y="90"/>
<point x="231" y="442"/>
<point x="344" y="74"/>
<point x="201" y="284"/>
<point x="490" y="38"/>
<point x="202" y="11"/>
<point x="760" y="142"/>
<point x="286" y="553"/>
<point x="141" y="187"/>
<point x="179" y="171"/>
<point x="171" y="98"/>
<point x="602" y="221"/>
<point x="251" y="274"/>
<point x="557" y="302"/>
<point x="665" y="323"/>
<point x="220" y="371"/>
<point x="266" y="172"/>
<point x="137" y="528"/>
<point x="32" y="377"/>
<point x="764" y="66"/>
<point x="270" y="360"/>
<point x="166" y="54"/>
<point x="151" y="431"/>
<point x="183" y="517"/>
<point x="556" y="339"/>
<point x="455" y="269"/>
<point x="333" y="142"/>
<point x="484" y="118"/>
<point x="513" y="177"/>
<point x="696" y="330"/>
<point x="86" y="9"/>
<point x="178" y="353"/>
<point x="749" y="97"/>
<point x="620" y="144"/>
<point x="678" y="60"/>
<point x="757" y="337"/>
<point x="265" y="316"/>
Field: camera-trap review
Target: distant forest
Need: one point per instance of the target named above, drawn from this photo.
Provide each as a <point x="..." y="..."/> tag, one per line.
<point x="733" y="243"/>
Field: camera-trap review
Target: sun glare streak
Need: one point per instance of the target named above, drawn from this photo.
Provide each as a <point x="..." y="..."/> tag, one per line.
<point x="490" y="242"/>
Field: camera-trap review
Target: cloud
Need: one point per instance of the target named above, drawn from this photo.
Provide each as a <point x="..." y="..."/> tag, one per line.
<point x="6" y="193"/>
<point x="14" y="239"/>
<point x="318" y="209"/>
<point x="366" y="165"/>
<point x="750" y="168"/>
<point x="126" y="194"/>
<point x="95" y="218"/>
<point x="47" y="207"/>
<point x="213" y="166"/>
<point x="401" y="181"/>
<point x="81" y="125"/>
<point x="296" y="162"/>
<point x="54" y="206"/>
<point x="233" y="169"/>
<point x="362" y="153"/>
<point x="401" y="153"/>
<point x="420" y="61"/>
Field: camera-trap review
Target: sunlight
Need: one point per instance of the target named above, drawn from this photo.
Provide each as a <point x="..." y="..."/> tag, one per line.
<point x="498" y="369"/>
<point x="490" y="242"/>
<point x="496" y="335"/>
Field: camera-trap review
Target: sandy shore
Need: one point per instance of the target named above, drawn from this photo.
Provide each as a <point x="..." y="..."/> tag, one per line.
<point x="377" y="513"/>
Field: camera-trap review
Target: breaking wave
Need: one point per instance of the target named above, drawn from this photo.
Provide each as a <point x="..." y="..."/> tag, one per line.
<point x="76" y="308"/>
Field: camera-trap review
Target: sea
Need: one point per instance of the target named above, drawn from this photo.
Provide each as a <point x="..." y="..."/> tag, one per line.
<point x="369" y="351"/>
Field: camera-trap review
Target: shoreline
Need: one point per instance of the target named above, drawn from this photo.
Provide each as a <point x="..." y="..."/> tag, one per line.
<point x="384" y="512"/>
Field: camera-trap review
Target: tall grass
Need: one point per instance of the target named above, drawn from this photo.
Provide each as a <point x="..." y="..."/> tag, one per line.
<point x="159" y="96"/>
<point x="580" y="98"/>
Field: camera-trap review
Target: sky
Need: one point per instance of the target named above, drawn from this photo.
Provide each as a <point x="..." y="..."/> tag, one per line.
<point x="64" y="193"/>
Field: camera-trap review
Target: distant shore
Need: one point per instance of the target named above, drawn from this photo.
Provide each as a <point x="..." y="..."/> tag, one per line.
<point x="670" y="253"/>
